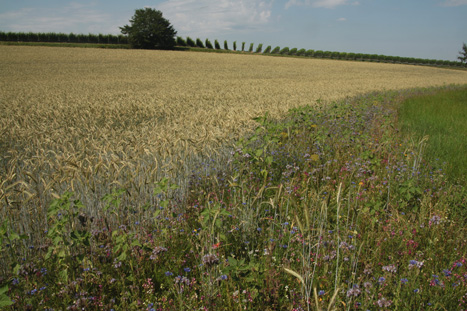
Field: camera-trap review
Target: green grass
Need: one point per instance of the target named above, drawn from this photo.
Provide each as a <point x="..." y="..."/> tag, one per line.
<point x="330" y="208"/>
<point x="441" y="117"/>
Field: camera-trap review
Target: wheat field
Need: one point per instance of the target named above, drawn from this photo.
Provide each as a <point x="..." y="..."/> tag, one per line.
<point x="92" y="120"/>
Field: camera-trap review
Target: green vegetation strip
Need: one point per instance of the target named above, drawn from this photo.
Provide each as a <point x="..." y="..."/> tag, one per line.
<point x="442" y="119"/>
<point x="329" y="208"/>
<point x="71" y="45"/>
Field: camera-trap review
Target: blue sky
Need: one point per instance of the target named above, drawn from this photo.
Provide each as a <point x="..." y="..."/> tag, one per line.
<point x="433" y="29"/>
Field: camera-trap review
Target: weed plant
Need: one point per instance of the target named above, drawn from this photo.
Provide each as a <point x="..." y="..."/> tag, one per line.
<point x="329" y="208"/>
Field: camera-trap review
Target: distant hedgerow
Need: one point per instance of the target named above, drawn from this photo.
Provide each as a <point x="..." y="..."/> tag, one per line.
<point x="318" y="53"/>
<point x="217" y="45"/>
<point x="226" y="46"/>
<point x="235" y="45"/>
<point x="309" y="53"/>
<point x="293" y="51"/>
<point x="276" y="50"/>
<point x="284" y="51"/>
<point x="267" y="50"/>
<point x="301" y="52"/>
<point x="243" y="46"/>
<point x="251" y="48"/>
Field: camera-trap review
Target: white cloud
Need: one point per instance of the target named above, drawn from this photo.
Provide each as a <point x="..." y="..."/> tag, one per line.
<point x="200" y="18"/>
<point x="454" y="2"/>
<point x="342" y="19"/>
<point x="204" y="17"/>
<point x="328" y="4"/>
<point x="73" y="17"/>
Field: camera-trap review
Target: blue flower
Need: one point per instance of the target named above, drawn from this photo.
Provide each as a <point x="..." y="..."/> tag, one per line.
<point x="321" y="292"/>
<point x="404" y="281"/>
<point x="168" y="273"/>
<point x="186" y="269"/>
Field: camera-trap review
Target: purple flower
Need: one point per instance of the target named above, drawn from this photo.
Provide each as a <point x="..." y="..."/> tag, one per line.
<point x="168" y="273"/>
<point x="354" y="291"/>
<point x="156" y="251"/>
<point x="390" y="268"/>
<point x="383" y="302"/>
<point x="210" y="260"/>
<point x="404" y="281"/>
<point x="435" y="220"/>
<point x="415" y="264"/>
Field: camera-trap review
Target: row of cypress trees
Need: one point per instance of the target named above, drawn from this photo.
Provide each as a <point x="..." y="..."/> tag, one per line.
<point x="188" y="42"/>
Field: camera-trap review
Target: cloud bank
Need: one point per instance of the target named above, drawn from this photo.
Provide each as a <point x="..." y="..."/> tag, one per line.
<point x="207" y="17"/>
<point x="73" y="17"/>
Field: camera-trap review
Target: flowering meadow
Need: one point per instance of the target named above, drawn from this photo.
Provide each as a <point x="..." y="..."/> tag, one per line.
<point x="327" y="208"/>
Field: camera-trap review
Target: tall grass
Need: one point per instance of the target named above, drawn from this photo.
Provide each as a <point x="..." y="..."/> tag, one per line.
<point x="442" y="118"/>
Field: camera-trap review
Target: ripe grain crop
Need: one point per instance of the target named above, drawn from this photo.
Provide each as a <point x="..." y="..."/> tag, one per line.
<point x="89" y="120"/>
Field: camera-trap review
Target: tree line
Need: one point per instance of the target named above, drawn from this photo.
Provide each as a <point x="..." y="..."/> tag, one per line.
<point x="207" y="44"/>
<point x="286" y="51"/>
<point x="62" y="37"/>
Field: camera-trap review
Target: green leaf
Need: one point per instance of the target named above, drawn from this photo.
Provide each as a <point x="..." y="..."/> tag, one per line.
<point x="232" y="261"/>
<point x="16" y="268"/>
<point x="5" y="300"/>
<point x="122" y="256"/>
<point x="136" y="243"/>
<point x="63" y="275"/>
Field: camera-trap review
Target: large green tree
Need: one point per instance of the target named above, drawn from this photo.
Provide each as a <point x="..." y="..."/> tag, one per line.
<point x="463" y="54"/>
<point x="148" y="29"/>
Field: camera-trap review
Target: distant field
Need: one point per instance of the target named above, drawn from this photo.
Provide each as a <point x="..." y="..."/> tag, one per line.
<point x="89" y="120"/>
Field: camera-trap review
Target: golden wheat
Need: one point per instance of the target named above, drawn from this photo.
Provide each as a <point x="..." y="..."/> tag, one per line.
<point x="89" y="120"/>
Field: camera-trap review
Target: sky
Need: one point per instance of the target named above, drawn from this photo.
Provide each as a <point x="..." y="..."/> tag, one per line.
<point x="432" y="29"/>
